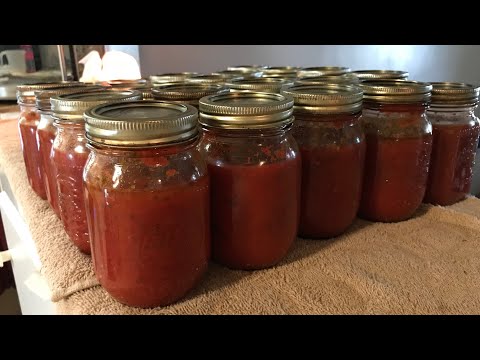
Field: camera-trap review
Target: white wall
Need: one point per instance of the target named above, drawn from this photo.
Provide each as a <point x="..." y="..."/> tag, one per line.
<point x="423" y="62"/>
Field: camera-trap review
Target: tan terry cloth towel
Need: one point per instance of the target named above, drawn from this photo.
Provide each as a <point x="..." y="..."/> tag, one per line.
<point x="65" y="268"/>
<point x="429" y="264"/>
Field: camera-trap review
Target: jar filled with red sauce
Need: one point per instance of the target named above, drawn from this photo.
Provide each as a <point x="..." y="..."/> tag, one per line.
<point x="366" y="75"/>
<point x="187" y="93"/>
<point x="46" y="132"/>
<point x="399" y="143"/>
<point x="316" y="71"/>
<point x="147" y="200"/>
<point x="272" y="85"/>
<point x="455" y="139"/>
<point x="254" y="166"/>
<point x="331" y="141"/>
<point x="69" y="155"/>
<point x="27" y="125"/>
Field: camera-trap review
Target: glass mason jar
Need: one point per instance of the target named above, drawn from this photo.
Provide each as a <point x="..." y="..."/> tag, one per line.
<point x="364" y="75"/>
<point x="399" y="143"/>
<point x="142" y="85"/>
<point x="455" y="139"/>
<point x="323" y="71"/>
<point x="331" y="141"/>
<point x="27" y="126"/>
<point x="254" y="166"/>
<point x="187" y="93"/>
<point x="69" y="155"/>
<point x="147" y="197"/>
<point x="272" y="85"/>
<point x="46" y="133"/>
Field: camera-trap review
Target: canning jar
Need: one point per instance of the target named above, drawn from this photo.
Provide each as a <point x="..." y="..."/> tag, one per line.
<point x="254" y="166"/>
<point x="142" y="85"/>
<point x="272" y="85"/>
<point x="187" y="93"/>
<point x="364" y="75"/>
<point x="147" y="198"/>
<point x="46" y="132"/>
<point x="455" y="140"/>
<point x="399" y="143"/>
<point x="332" y="145"/>
<point x="69" y="155"/>
<point x="323" y="71"/>
<point x="27" y="126"/>
<point x="231" y="74"/>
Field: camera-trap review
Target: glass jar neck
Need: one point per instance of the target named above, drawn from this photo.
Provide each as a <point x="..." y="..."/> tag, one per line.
<point x="27" y="107"/>
<point x="419" y="107"/>
<point x="77" y="127"/>
<point x="322" y="117"/>
<point x="246" y="133"/>
<point x="466" y="110"/>
<point x="162" y="150"/>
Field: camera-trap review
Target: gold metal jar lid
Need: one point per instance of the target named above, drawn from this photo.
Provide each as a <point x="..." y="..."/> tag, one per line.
<point x="140" y="123"/>
<point x="26" y="92"/>
<point x="347" y="79"/>
<point x="171" y="77"/>
<point x="381" y="74"/>
<point x="246" y="68"/>
<point x="206" y="79"/>
<point x="396" y="91"/>
<point x="454" y="94"/>
<point x="187" y="92"/>
<point x="258" y="84"/>
<point x="246" y="110"/>
<point x="230" y="74"/>
<point x="325" y="98"/>
<point x="42" y="97"/>
<point x="124" y="84"/>
<point x="281" y="71"/>
<point x="70" y="107"/>
<point x="323" y="71"/>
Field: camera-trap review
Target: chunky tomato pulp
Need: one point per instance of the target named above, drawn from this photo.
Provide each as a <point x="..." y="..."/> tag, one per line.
<point x="451" y="164"/>
<point x="46" y="136"/>
<point x="31" y="154"/>
<point x="69" y="170"/>
<point x="150" y="247"/>
<point x="396" y="171"/>
<point x="255" y="212"/>
<point x="331" y="188"/>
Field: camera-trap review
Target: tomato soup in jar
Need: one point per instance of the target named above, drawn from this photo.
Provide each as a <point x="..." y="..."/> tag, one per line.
<point x="27" y="125"/>
<point x="69" y="155"/>
<point x="456" y="131"/>
<point x="332" y="144"/>
<point x="46" y="132"/>
<point x="254" y="166"/>
<point x="147" y="198"/>
<point x="399" y="144"/>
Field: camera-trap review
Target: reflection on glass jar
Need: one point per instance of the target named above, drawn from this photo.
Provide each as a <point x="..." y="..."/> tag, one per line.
<point x="147" y="198"/>
<point x="332" y="145"/>
<point x="69" y="155"/>
<point x="399" y="143"/>
<point x="255" y="170"/>
<point x="455" y="139"/>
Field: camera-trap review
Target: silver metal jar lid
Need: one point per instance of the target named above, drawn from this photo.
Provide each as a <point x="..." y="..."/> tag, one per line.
<point x="454" y="94"/>
<point x="396" y="91"/>
<point x="258" y="84"/>
<point x="26" y="92"/>
<point x="381" y="74"/>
